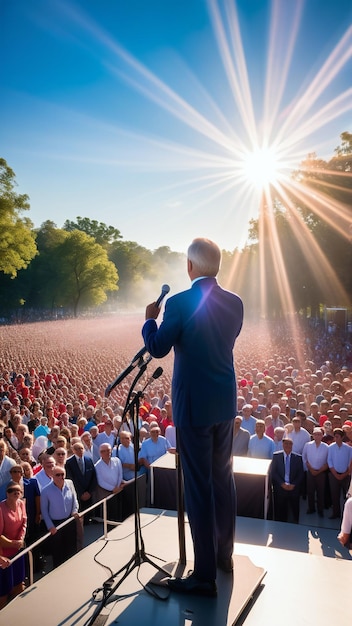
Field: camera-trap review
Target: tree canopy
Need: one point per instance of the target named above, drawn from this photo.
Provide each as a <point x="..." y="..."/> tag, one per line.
<point x="17" y="239"/>
<point x="102" y="233"/>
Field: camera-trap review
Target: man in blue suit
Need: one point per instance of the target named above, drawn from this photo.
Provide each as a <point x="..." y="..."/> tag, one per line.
<point x="287" y="474"/>
<point x="202" y="324"/>
<point x="80" y="469"/>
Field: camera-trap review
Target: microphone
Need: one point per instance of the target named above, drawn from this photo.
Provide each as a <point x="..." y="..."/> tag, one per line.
<point x="157" y="373"/>
<point x="137" y="358"/>
<point x="164" y="291"/>
<point x="154" y="376"/>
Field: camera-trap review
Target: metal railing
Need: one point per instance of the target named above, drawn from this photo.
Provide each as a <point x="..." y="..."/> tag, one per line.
<point x="29" y="550"/>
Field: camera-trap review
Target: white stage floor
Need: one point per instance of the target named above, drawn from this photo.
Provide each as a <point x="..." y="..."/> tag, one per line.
<point x="308" y="580"/>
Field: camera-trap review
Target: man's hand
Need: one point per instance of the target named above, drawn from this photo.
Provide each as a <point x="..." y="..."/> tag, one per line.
<point x="287" y="486"/>
<point x="343" y="538"/>
<point x="152" y="311"/>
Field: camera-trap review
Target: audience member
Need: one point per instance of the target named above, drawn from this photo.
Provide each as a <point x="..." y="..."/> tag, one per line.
<point x="315" y="461"/>
<point x="340" y="465"/>
<point x="153" y="448"/>
<point x="299" y="435"/>
<point x="248" y="421"/>
<point x="5" y="466"/>
<point x="287" y="475"/>
<point x="126" y="455"/>
<point x="58" y="502"/>
<point x="13" y="523"/>
<point x="260" y="446"/>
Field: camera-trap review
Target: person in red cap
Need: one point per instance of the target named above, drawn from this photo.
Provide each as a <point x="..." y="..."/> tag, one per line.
<point x="347" y="429"/>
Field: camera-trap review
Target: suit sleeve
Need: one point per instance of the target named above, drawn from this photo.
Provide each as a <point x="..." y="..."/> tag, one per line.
<point x="275" y="473"/>
<point x="159" y="341"/>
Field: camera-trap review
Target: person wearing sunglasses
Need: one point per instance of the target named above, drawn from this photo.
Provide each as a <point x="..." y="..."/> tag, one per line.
<point x="13" y="524"/>
<point x="58" y="502"/>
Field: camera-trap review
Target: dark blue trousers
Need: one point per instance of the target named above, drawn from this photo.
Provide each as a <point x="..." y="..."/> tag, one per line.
<point x="210" y="495"/>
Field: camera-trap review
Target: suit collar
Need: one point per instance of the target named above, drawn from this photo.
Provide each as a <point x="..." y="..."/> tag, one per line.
<point x="203" y="281"/>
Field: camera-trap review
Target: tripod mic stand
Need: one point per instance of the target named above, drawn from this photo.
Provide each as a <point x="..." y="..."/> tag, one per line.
<point x="140" y="556"/>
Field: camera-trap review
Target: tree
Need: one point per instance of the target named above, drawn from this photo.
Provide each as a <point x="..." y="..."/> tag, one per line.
<point x="43" y="277"/>
<point x="102" y="233"/>
<point x="17" y="239"/>
<point x="133" y="263"/>
<point x="86" y="272"/>
<point x="330" y="218"/>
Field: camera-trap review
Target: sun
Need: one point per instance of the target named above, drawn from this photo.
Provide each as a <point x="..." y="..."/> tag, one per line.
<point x="261" y="167"/>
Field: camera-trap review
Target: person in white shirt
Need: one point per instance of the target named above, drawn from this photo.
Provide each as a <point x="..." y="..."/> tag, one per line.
<point x="109" y="478"/>
<point x="109" y="471"/>
<point x="315" y="462"/>
<point x="299" y="436"/>
<point x="45" y="476"/>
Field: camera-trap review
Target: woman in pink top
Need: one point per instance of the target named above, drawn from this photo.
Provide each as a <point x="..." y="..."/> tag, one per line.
<point x="13" y="523"/>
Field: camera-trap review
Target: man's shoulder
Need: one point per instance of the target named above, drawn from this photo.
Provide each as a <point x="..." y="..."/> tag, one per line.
<point x="47" y="488"/>
<point x="8" y="461"/>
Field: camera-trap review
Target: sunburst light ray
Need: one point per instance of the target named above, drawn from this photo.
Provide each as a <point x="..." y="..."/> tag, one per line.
<point x="281" y="134"/>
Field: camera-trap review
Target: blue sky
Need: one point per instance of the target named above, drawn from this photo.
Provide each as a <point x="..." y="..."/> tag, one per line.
<point x="138" y="113"/>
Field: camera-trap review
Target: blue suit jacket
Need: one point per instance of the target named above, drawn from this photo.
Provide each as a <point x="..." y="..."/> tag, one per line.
<point x="82" y="482"/>
<point x="201" y="324"/>
<point x="277" y="471"/>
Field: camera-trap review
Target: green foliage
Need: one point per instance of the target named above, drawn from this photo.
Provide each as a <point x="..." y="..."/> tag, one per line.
<point x="86" y="272"/>
<point x="134" y="263"/>
<point x="17" y="240"/>
<point x="102" y="233"/>
<point x="71" y="270"/>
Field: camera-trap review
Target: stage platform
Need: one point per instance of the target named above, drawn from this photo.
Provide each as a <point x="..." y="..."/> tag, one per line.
<point x="307" y="580"/>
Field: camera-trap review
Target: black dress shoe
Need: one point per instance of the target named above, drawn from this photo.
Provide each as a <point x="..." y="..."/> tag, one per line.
<point x="310" y="511"/>
<point x="334" y="516"/>
<point x="192" y="585"/>
<point x="226" y="565"/>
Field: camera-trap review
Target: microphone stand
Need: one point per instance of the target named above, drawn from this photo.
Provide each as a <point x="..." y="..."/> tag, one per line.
<point x="139" y="556"/>
<point x="180" y="507"/>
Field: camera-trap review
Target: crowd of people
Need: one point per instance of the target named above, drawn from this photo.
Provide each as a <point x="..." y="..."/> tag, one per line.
<point x="64" y="446"/>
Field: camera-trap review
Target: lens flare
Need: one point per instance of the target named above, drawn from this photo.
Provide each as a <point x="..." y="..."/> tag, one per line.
<point x="261" y="167"/>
